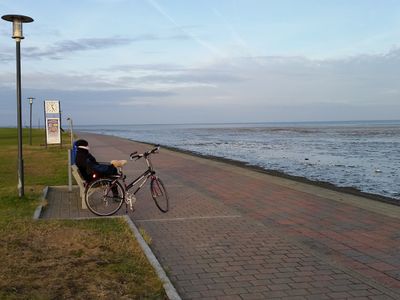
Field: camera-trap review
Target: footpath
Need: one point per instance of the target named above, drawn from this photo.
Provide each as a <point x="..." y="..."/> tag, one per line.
<point x="235" y="233"/>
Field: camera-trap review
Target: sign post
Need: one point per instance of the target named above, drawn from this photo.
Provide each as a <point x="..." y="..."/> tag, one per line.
<point x="52" y="122"/>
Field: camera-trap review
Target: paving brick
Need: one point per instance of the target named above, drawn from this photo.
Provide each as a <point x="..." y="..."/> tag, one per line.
<point x="244" y="278"/>
<point x="283" y="275"/>
<point x="303" y="279"/>
<point x="317" y="297"/>
<point x="258" y="288"/>
<point x="252" y="296"/>
<point x="228" y="274"/>
<point x="264" y="276"/>
<point x="279" y="287"/>
<point x="250" y="272"/>
<point x="240" y="284"/>
<point x="340" y="288"/>
<point x="187" y="277"/>
<point x="281" y="280"/>
<point x="360" y="286"/>
<point x="208" y="275"/>
<point x="275" y="294"/>
<point x="195" y="288"/>
<point x="229" y="297"/>
<point x="360" y="293"/>
<point x="380" y="297"/>
<point x="201" y="281"/>
<point x="218" y="286"/>
<point x="190" y="295"/>
<point x="235" y="291"/>
<point x="212" y="293"/>
<point x="297" y="292"/>
<point x="318" y="290"/>
<point x="300" y="285"/>
<point x="339" y="295"/>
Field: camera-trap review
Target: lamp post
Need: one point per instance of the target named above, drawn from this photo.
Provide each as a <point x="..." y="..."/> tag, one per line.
<point x="17" y="21"/>
<point x="30" y="119"/>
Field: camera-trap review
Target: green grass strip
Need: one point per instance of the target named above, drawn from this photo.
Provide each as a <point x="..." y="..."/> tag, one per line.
<point x="86" y="259"/>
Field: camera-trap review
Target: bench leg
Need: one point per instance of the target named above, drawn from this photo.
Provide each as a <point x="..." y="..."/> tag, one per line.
<point x="83" y="198"/>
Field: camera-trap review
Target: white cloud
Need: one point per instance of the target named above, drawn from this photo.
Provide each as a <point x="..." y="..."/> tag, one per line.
<point x="243" y="89"/>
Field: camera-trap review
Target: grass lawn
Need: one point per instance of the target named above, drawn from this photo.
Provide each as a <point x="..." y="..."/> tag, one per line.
<point x="86" y="259"/>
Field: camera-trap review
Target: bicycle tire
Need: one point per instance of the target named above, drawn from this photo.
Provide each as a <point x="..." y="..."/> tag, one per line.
<point x="100" y="198"/>
<point x="159" y="194"/>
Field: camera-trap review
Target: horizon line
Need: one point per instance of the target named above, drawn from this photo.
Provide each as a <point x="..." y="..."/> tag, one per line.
<point x="261" y="122"/>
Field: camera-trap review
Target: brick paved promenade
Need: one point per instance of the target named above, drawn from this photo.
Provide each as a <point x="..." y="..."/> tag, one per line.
<point x="234" y="233"/>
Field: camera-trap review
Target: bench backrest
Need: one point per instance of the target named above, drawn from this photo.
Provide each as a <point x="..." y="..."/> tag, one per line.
<point x="74" y="150"/>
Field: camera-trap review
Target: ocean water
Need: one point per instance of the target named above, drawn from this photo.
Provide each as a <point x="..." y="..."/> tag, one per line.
<point x="364" y="155"/>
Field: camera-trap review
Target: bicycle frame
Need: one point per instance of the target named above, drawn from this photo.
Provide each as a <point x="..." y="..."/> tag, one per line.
<point x="144" y="176"/>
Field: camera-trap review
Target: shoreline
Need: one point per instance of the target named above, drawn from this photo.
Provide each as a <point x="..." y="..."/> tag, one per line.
<point x="322" y="184"/>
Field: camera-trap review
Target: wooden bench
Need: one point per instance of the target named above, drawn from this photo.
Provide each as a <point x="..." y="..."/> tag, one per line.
<point x="81" y="183"/>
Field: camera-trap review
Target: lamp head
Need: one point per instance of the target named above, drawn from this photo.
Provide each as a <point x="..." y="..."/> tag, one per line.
<point x="17" y="21"/>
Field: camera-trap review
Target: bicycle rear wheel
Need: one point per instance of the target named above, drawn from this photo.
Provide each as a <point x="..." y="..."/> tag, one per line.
<point x="104" y="196"/>
<point x="159" y="194"/>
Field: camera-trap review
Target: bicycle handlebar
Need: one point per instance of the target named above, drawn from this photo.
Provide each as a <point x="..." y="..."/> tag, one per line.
<point x="145" y="154"/>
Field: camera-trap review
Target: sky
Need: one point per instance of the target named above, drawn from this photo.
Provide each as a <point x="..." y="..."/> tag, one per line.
<point x="187" y="61"/>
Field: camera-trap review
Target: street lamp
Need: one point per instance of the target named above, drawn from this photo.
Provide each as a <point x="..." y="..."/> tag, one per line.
<point x="17" y="21"/>
<point x="30" y="119"/>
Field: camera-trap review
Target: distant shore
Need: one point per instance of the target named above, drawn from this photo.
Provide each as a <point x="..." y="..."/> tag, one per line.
<point x="323" y="184"/>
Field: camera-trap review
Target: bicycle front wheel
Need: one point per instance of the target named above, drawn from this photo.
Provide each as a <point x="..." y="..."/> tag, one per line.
<point x="159" y="194"/>
<point x="104" y="196"/>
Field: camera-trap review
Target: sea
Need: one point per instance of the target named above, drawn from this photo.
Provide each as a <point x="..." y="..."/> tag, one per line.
<point x="364" y="155"/>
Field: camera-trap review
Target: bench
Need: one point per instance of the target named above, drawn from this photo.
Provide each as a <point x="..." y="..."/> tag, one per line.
<point x="81" y="183"/>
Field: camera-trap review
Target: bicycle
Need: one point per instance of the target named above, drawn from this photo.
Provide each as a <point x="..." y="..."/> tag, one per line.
<point x="105" y="196"/>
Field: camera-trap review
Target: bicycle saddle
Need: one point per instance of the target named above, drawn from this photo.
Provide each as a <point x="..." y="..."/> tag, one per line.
<point x="118" y="163"/>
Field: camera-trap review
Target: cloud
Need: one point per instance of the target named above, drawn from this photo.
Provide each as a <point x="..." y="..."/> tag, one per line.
<point x="146" y="67"/>
<point x="277" y="79"/>
<point x="6" y="57"/>
<point x="64" y="47"/>
<point x="358" y="79"/>
<point x="194" y="78"/>
<point x="268" y="88"/>
<point x="171" y="76"/>
<point x="87" y="106"/>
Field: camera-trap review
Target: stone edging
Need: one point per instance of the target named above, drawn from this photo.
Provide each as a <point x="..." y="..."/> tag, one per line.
<point x="169" y="288"/>
<point x="38" y="210"/>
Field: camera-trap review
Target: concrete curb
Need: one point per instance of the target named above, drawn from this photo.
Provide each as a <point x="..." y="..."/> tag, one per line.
<point x="169" y="288"/>
<point x="38" y="210"/>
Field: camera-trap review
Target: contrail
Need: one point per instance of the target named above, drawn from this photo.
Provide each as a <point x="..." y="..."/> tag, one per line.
<point x="236" y="37"/>
<point x="201" y="42"/>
